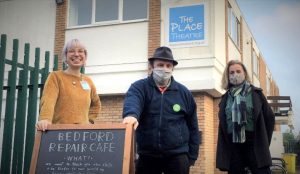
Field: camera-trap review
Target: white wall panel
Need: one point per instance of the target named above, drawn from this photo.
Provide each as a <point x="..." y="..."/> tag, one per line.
<point x="30" y="21"/>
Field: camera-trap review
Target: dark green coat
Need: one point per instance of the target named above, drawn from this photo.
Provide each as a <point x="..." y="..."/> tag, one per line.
<point x="264" y="120"/>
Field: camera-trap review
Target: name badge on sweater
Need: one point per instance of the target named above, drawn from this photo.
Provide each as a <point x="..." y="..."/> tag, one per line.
<point x="85" y="85"/>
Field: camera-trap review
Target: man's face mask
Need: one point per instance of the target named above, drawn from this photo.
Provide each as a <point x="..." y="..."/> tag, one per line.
<point x="161" y="75"/>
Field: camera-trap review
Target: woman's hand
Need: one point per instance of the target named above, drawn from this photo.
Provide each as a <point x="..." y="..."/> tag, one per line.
<point x="42" y="125"/>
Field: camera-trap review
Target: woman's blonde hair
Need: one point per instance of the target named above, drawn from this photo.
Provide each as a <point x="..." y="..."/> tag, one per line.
<point x="71" y="43"/>
<point x="225" y="78"/>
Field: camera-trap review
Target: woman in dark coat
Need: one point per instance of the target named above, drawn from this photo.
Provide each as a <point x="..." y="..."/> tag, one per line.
<point x="246" y="124"/>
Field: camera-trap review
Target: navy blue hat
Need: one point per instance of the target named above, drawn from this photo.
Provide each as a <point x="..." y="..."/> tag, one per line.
<point x="163" y="53"/>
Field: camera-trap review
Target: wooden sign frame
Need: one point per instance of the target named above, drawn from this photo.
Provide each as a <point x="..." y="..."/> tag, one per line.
<point x="128" y="158"/>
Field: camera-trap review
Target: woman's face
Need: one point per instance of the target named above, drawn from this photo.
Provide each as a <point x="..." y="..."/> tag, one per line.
<point x="236" y="74"/>
<point x="76" y="56"/>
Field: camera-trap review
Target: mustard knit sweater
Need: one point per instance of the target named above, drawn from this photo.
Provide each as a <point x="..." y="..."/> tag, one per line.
<point x="64" y="100"/>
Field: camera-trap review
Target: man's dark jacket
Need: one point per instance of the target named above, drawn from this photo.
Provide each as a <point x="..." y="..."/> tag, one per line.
<point x="168" y="122"/>
<point x="264" y="121"/>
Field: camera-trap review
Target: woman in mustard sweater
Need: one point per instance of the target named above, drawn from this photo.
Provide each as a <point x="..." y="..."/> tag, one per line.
<point x="69" y="97"/>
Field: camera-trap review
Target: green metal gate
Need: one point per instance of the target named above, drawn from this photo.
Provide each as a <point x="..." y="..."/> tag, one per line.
<point x="21" y="106"/>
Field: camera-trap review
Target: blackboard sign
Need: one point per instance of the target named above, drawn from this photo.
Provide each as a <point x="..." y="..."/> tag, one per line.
<point x="83" y="149"/>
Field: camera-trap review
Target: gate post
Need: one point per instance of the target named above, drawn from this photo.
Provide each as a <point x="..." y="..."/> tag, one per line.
<point x="9" y="112"/>
<point x="32" y="111"/>
<point x="18" y="149"/>
<point x="2" y="65"/>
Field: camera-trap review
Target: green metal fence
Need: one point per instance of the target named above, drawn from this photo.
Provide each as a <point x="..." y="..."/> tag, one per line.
<point x="23" y="89"/>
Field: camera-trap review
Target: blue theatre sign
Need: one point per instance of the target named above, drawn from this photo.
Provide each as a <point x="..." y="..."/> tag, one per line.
<point x="186" y="26"/>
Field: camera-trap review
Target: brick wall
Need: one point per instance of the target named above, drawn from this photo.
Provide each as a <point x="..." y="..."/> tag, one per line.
<point x="205" y="110"/>
<point x="111" y="109"/>
<point x="154" y="26"/>
<point x="60" y="26"/>
<point x="263" y="75"/>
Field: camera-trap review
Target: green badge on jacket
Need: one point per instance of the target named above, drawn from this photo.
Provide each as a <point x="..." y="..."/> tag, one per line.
<point x="176" y="107"/>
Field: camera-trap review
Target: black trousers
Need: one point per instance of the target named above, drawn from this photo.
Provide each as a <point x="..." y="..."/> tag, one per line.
<point x="243" y="156"/>
<point x="175" y="164"/>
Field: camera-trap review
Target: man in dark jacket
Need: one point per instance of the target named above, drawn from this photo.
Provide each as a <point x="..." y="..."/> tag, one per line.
<point x="163" y="113"/>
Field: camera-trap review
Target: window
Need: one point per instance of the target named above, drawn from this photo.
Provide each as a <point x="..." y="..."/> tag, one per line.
<point x="234" y="26"/>
<point x="255" y="63"/>
<point x="90" y="12"/>
<point x="135" y="9"/>
<point x="80" y="12"/>
<point x="107" y="10"/>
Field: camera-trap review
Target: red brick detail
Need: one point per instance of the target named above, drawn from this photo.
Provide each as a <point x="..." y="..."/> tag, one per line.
<point x="154" y="26"/>
<point x="111" y="109"/>
<point x="60" y="26"/>
<point x="205" y="110"/>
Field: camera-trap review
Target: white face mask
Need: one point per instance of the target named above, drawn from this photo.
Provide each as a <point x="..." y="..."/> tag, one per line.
<point x="236" y="78"/>
<point x="161" y="76"/>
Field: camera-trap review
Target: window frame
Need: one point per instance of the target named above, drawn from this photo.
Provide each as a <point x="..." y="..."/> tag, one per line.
<point x="233" y="26"/>
<point x="104" y="23"/>
<point x="120" y="10"/>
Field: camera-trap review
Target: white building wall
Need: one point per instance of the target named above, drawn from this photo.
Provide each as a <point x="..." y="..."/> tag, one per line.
<point x="247" y="47"/>
<point x="233" y="51"/>
<point x="255" y="78"/>
<point x="30" y="21"/>
<point x="199" y="67"/>
<point x="276" y="147"/>
<point x="117" y="54"/>
<point x="218" y="35"/>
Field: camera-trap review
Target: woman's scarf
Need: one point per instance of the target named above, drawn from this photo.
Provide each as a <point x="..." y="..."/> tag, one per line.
<point x="239" y="112"/>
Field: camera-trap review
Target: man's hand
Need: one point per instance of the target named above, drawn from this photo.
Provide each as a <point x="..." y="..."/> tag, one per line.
<point x="42" y="125"/>
<point x="131" y="120"/>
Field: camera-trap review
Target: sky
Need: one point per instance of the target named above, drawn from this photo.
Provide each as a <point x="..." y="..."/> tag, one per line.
<point x="275" y="26"/>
